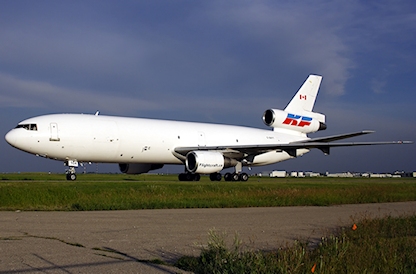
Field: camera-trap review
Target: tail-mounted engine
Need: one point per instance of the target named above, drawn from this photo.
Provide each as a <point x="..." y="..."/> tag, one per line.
<point x="308" y="122"/>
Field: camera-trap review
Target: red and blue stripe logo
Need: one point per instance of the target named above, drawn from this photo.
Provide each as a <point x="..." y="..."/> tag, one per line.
<point x="297" y="120"/>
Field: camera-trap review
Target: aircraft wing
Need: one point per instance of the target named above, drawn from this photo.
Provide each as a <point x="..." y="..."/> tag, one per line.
<point x="324" y="144"/>
<point x="338" y="137"/>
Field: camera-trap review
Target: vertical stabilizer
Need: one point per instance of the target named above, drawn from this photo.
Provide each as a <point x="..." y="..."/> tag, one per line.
<point x="304" y="99"/>
<point x="298" y="118"/>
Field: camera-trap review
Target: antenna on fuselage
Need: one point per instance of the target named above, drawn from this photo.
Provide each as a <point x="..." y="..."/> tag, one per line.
<point x="97" y="113"/>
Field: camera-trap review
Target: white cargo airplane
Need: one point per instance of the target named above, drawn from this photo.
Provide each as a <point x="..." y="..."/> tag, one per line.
<point x="140" y="145"/>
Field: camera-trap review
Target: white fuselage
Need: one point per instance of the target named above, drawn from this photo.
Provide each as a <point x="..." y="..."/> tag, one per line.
<point x="111" y="139"/>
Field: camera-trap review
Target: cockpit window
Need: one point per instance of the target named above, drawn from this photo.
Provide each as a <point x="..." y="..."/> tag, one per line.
<point x="28" y="126"/>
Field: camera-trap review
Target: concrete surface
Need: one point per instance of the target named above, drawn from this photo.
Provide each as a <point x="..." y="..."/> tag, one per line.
<point x="125" y="241"/>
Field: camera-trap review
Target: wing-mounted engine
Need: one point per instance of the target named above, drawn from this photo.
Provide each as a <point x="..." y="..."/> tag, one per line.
<point x="307" y="122"/>
<point x="206" y="162"/>
<point x="138" y="168"/>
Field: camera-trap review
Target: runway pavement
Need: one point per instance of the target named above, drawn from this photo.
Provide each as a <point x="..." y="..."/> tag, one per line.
<point x="127" y="241"/>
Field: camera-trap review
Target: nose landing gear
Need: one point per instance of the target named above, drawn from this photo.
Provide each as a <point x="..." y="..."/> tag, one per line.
<point x="70" y="172"/>
<point x="71" y="176"/>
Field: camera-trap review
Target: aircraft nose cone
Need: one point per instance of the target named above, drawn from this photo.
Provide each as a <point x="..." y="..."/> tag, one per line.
<point x="11" y="137"/>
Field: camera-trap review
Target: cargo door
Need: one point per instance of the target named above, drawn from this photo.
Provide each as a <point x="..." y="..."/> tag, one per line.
<point x="54" y="132"/>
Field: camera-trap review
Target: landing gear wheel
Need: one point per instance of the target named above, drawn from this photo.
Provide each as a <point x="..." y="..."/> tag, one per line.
<point x="227" y="177"/>
<point x="71" y="176"/>
<point x="197" y="177"/>
<point x="189" y="177"/>
<point x="215" y="176"/>
<point x="243" y="177"/>
<point x="235" y="177"/>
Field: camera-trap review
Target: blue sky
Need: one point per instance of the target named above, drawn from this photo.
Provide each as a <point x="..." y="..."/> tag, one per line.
<point x="214" y="61"/>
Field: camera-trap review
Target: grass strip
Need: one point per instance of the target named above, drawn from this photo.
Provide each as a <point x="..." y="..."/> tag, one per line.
<point x="385" y="245"/>
<point x="124" y="192"/>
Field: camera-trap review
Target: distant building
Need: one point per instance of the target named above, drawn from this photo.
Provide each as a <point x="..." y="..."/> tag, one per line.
<point x="409" y="174"/>
<point x="312" y="174"/>
<point x="380" y="175"/>
<point x="301" y="174"/>
<point x="343" y="174"/>
<point x="264" y="174"/>
<point x="297" y="174"/>
<point x="278" y="173"/>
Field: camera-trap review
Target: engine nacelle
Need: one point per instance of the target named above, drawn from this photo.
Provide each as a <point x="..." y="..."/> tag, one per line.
<point x="311" y="122"/>
<point x="206" y="162"/>
<point x="138" y="168"/>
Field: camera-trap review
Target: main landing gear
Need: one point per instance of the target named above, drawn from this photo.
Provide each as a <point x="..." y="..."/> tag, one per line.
<point x="229" y="177"/>
<point x="236" y="177"/>
<point x="189" y="176"/>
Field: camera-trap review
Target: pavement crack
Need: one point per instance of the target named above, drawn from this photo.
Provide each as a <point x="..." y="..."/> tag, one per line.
<point x="52" y="238"/>
<point x="11" y="238"/>
<point x="126" y="256"/>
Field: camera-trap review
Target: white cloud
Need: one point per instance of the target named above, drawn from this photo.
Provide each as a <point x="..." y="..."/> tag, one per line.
<point x="378" y="86"/>
<point x="294" y="35"/>
<point x="15" y="92"/>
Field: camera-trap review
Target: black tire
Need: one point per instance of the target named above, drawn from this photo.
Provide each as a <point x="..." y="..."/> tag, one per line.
<point x="215" y="176"/>
<point x="227" y="177"/>
<point x="244" y="177"/>
<point x="189" y="177"/>
<point x="235" y="177"/>
<point x="71" y="176"/>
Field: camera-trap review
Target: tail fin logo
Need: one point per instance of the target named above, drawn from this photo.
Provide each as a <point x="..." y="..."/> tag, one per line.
<point x="297" y="120"/>
<point x="302" y="97"/>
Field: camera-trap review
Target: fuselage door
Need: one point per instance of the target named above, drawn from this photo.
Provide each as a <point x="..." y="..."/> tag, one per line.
<point x="54" y="132"/>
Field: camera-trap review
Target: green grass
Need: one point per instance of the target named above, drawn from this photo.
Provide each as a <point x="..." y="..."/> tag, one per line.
<point x="377" y="246"/>
<point x="35" y="191"/>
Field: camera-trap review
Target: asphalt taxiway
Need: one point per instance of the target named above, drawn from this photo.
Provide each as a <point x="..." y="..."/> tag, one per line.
<point x="129" y="241"/>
